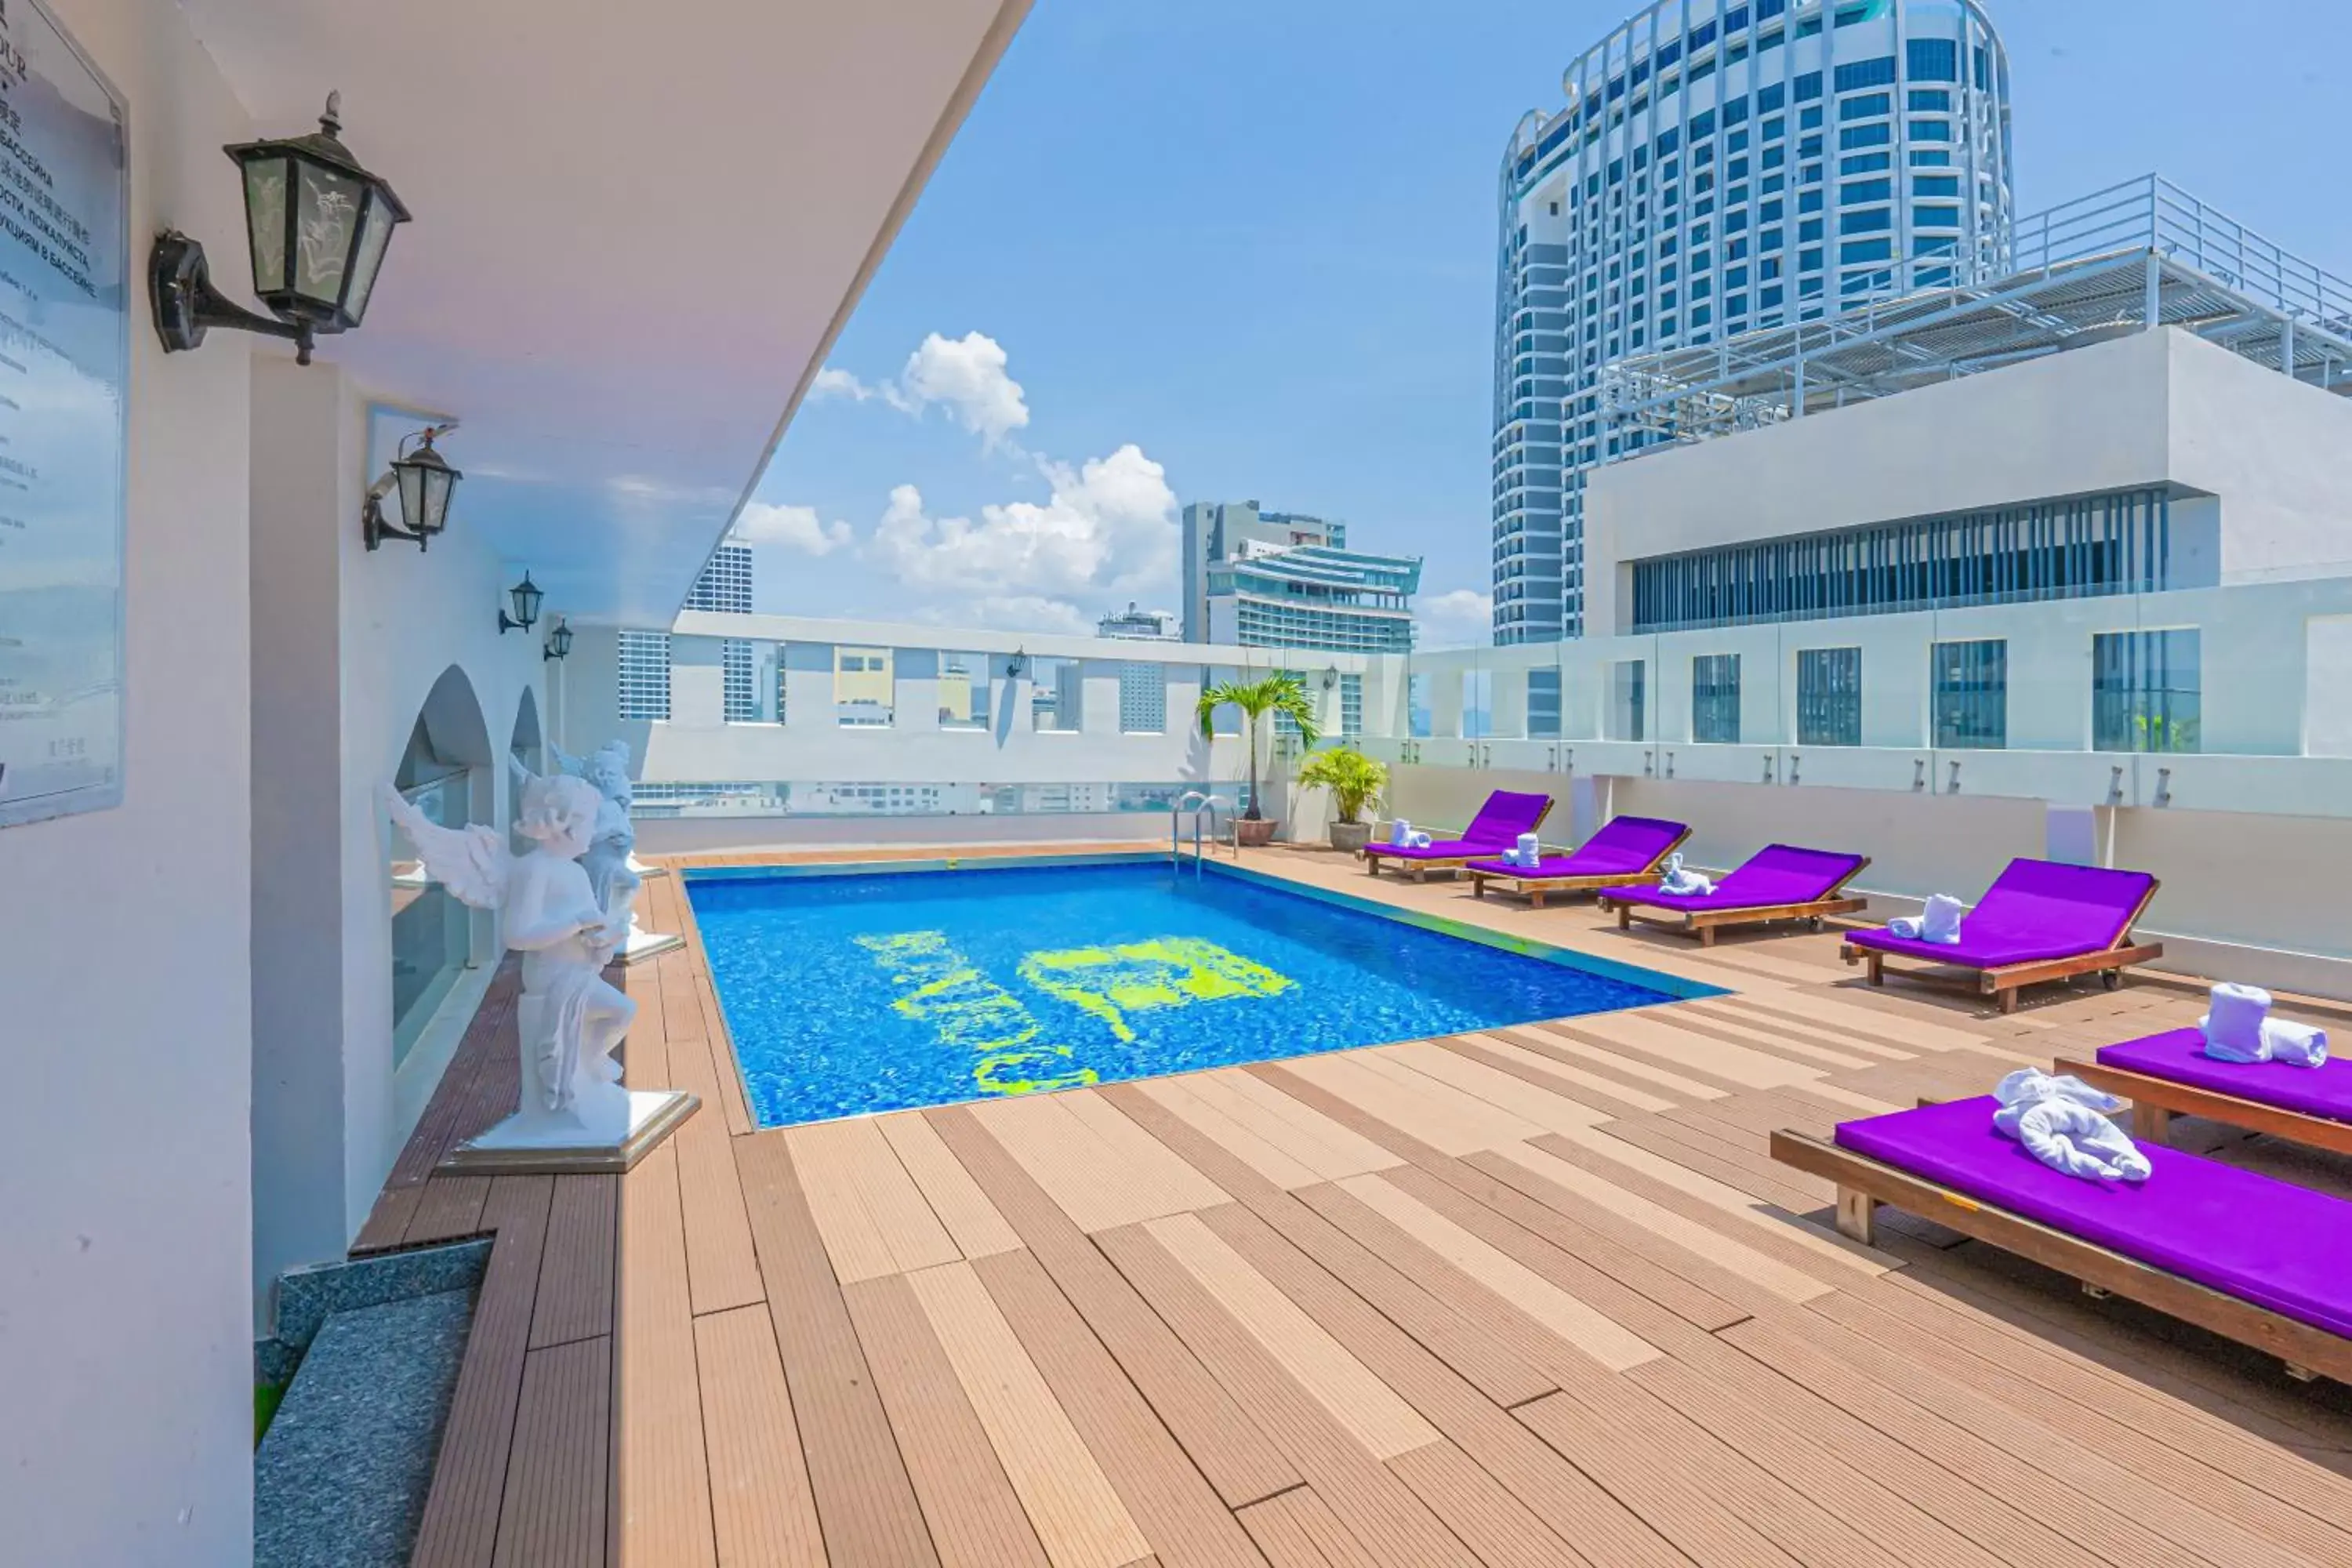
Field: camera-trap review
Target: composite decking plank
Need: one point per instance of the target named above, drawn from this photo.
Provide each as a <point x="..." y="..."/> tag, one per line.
<point x="576" y="1278"/>
<point x="2098" y="1425"/>
<point x="556" y="1506"/>
<point x="762" y="1512"/>
<point x="1653" y="1034"/>
<point x="864" y="1498"/>
<point x="1497" y="1528"/>
<point x="2099" y="1510"/>
<point x="1597" y="1060"/>
<point x="1548" y="1106"/>
<point x="1076" y="1513"/>
<point x="722" y="1270"/>
<point x="1167" y="1494"/>
<point x="1298" y="1530"/>
<point x="1475" y="1355"/>
<point x="1230" y="1450"/>
<point x="1546" y="1072"/>
<point x="460" y="1523"/>
<point x="1558" y="1493"/>
<point x="969" y="1218"/>
<point x="451" y="1206"/>
<point x="661" y="1462"/>
<point x="977" y="1520"/>
<point x="874" y="1218"/>
<point x="1792" y="1041"/>
<point x="1395" y="1527"/>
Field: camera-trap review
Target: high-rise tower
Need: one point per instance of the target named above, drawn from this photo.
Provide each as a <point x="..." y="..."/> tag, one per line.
<point x="1721" y="166"/>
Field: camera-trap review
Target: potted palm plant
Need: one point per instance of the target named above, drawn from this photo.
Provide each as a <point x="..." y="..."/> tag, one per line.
<point x="1279" y="692"/>
<point x="1357" y="782"/>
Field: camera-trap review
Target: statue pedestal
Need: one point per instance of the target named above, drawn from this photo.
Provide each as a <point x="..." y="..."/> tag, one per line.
<point x="533" y="1145"/>
<point x="644" y="944"/>
<point x="645" y="873"/>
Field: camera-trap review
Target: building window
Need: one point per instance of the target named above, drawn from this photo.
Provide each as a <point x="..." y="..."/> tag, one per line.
<point x="1971" y="695"/>
<point x="964" y="686"/>
<point x="1628" y="704"/>
<point x="1143" y="699"/>
<point x="1351" y="706"/>
<point x="1055" y="686"/>
<point x="644" y="683"/>
<point x="1543" y="704"/>
<point x="725" y="584"/>
<point x="1828" y="696"/>
<point x="864" y="690"/>
<point x="1715" y="698"/>
<point x="2144" y="691"/>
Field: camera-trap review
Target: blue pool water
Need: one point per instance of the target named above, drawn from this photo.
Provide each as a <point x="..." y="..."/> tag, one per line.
<point x="870" y="992"/>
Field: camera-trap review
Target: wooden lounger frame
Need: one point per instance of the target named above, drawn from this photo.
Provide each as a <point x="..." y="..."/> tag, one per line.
<point x="1707" y="923"/>
<point x="1864" y="1183"/>
<point x="2157" y="1100"/>
<point x="1420" y="869"/>
<point x="1533" y="888"/>
<point x="2003" y="983"/>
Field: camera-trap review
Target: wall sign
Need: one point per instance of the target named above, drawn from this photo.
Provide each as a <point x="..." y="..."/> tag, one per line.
<point x="64" y="401"/>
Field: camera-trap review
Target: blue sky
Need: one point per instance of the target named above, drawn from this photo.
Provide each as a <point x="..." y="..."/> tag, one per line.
<point x="1215" y="250"/>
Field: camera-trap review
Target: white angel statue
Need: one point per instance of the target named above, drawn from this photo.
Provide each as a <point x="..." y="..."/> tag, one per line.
<point x="569" y="1019"/>
<point x="611" y="860"/>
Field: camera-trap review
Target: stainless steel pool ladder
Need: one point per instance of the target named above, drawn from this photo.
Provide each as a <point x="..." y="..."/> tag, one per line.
<point x="1200" y="803"/>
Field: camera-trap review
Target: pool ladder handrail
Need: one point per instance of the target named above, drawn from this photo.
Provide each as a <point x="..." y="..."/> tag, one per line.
<point x="1199" y="802"/>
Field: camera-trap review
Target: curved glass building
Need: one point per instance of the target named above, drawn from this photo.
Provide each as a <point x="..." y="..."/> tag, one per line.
<point x="1721" y="166"/>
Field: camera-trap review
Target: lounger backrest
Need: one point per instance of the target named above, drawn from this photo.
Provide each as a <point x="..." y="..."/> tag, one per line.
<point x="1786" y="874"/>
<point x="1505" y="816"/>
<point x="1632" y="843"/>
<point x="2087" y="903"/>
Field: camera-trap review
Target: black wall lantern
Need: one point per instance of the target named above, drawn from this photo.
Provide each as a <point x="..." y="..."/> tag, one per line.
<point x="1018" y="665"/>
<point x="1331" y="677"/>
<point x="317" y="222"/>
<point x="559" y="643"/>
<point x="525" y="595"/>
<point x="423" y="484"/>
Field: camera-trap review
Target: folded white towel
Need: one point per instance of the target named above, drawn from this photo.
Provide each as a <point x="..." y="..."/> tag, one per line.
<point x="1941" y="919"/>
<point x="1683" y="882"/>
<point x="1528" y="853"/>
<point x="2297" y="1044"/>
<point x="1399" y="833"/>
<point x="1904" y="926"/>
<point x="2233" y="1023"/>
<point x="2060" y="1121"/>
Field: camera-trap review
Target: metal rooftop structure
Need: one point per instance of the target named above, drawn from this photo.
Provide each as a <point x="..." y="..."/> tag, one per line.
<point x="2140" y="254"/>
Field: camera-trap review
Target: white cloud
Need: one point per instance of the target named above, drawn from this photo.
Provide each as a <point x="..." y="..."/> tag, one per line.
<point x="832" y="383"/>
<point x="1460" y="618"/>
<point x="1013" y="613"/>
<point x="791" y="528"/>
<point x="1110" y="527"/>
<point x="965" y="376"/>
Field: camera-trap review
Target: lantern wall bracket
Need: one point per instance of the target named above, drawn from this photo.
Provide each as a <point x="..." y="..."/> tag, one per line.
<point x="180" y="284"/>
<point x="374" y="527"/>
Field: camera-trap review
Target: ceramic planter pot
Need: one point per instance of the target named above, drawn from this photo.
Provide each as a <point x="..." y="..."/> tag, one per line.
<point x="1254" y="835"/>
<point x="1351" y="836"/>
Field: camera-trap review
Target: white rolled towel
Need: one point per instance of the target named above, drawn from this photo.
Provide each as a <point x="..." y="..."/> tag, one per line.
<point x="2233" y="1023"/>
<point x="1528" y="853"/>
<point x="1941" y="919"/>
<point x="1419" y="840"/>
<point x="2297" y="1044"/>
<point x="1907" y="927"/>
<point x="1399" y="833"/>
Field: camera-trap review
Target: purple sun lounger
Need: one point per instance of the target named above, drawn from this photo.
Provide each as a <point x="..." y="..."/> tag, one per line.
<point x="2257" y="1259"/>
<point x="2168" y="1074"/>
<point x="2040" y="920"/>
<point x="1779" y="882"/>
<point x="1625" y="847"/>
<point x="1496" y="828"/>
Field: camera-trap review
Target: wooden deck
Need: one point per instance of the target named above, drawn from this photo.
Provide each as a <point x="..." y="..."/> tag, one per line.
<point x="1529" y="1297"/>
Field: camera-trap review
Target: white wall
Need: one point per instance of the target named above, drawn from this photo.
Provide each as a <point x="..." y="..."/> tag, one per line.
<point x="125" y="1357"/>
<point x="348" y="644"/>
<point x="2147" y="409"/>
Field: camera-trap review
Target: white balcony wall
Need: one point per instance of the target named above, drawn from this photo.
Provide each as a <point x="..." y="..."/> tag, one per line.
<point x="125" y="949"/>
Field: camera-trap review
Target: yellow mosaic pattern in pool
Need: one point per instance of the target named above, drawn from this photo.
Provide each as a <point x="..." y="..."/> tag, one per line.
<point x="969" y="1012"/>
<point x="1133" y="977"/>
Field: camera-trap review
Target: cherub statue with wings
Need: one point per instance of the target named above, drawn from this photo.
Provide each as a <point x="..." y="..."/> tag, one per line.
<point x="570" y="1020"/>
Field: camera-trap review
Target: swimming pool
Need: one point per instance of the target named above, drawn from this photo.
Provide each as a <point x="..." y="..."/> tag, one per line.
<point x="869" y="990"/>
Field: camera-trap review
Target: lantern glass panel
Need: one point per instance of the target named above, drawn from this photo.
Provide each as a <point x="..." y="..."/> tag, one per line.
<point x="375" y="233"/>
<point x="526" y="598"/>
<point x="438" y="483"/>
<point x="265" y="216"/>
<point x="326" y="214"/>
